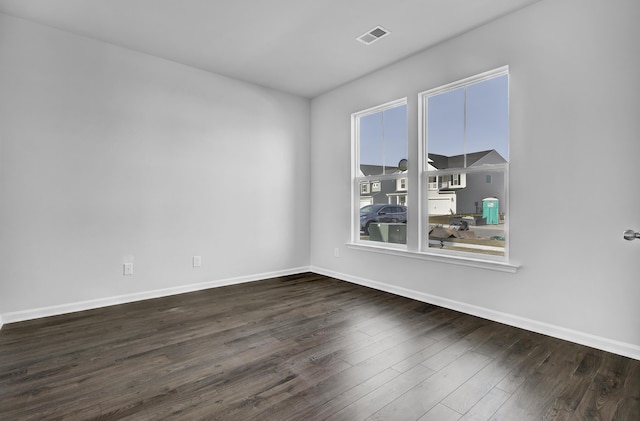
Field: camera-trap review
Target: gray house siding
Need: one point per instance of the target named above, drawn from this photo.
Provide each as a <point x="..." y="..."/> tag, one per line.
<point x="478" y="188"/>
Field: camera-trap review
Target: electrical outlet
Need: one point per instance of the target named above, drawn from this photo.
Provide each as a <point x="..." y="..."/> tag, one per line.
<point x="197" y="261"/>
<point x="336" y="252"/>
<point x="128" y="268"/>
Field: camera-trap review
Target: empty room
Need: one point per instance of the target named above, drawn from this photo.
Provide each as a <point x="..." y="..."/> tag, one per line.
<point x="319" y="210"/>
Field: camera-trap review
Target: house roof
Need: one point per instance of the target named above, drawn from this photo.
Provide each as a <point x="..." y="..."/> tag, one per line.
<point x="441" y="162"/>
<point x="474" y="159"/>
<point x="377" y="170"/>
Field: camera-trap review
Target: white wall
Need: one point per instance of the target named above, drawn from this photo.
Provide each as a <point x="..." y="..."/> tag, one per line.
<point x="109" y="155"/>
<point x="575" y="81"/>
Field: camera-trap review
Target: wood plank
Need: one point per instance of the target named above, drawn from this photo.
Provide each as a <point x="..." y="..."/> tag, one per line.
<point x="543" y="384"/>
<point x="387" y="393"/>
<point x="441" y="413"/>
<point x="629" y="405"/>
<point x="301" y="347"/>
<point x="420" y="399"/>
<point x="606" y="392"/>
<point x="487" y="406"/>
<point x="575" y="387"/>
<point x="338" y="402"/>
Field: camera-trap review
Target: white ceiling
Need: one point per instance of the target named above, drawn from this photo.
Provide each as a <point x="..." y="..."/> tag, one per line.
<point x="305" y="47"/>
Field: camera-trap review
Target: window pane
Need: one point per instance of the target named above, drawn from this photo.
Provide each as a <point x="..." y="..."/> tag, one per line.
<point x="383" y="141"/>
<point x="371" y="144"/>
<point x="467" y="124"/>
<point x="470" y="219"/>
<point x="488" y="117"/>
<point x="467" y="130"/>
<point x="382" y="146"/>
<point x="445" y="128"/>
<point x="383" y="213"/>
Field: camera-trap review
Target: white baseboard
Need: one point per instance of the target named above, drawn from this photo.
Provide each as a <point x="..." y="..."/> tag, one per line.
<point x="605" y="344"/>
<point x="37" y="313"/>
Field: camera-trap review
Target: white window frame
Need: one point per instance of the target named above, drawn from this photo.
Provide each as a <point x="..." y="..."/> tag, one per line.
<point x="458" y="180"/>
<point x="425" y="173"/>
<point x="401" y="184"/>
<point x="358" y="178"/>
<point x="364" y="188"/>
<point x="414" y="249"/>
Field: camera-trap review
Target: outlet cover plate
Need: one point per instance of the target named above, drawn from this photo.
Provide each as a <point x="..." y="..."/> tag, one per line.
<point x="128" y="269"/>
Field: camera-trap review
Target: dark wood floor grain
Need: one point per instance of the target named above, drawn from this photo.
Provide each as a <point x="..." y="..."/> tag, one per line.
<point x="303" y="347"/>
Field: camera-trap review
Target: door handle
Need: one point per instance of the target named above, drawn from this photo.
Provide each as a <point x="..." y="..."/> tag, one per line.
<point x="631" y="235"/>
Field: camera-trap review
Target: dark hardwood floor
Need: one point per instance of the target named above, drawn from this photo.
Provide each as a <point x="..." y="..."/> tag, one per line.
<point x="303" y="347"/>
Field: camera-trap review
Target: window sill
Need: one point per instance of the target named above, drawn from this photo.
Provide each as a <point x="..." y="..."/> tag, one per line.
<point x="455" y="260"/>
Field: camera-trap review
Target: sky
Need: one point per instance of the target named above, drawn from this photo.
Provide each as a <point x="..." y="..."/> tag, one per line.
<point x="383" y="135"/>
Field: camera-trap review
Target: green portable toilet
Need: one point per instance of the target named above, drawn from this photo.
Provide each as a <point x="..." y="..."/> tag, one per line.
<point x="490" y="210"/>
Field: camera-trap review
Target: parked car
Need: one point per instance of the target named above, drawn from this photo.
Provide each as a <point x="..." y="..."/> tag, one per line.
<point x="381" y="212"/>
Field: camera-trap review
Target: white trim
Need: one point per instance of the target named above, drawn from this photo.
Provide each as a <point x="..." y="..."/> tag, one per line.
<point x="598" y="342"/>
<point x="481" y="77"/>
<point x="19" y="316"/>
<point x="378" y="108"/>
<point x="449" y="257"/>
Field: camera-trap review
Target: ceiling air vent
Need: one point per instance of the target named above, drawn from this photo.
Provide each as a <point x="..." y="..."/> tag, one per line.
<point x="373" y="35"/>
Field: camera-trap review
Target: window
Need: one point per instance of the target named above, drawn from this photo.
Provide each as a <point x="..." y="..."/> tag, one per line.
<point x="380" y="151"/>
<point x="462" y="162"/>
<point x="456" y="180"/>
<point x="402" y="184"/>
<point x="465" y="165"/>
<point x="364" y="188"/>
